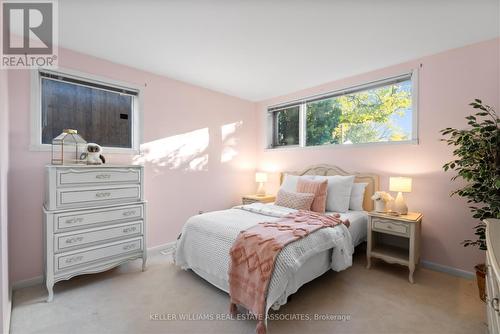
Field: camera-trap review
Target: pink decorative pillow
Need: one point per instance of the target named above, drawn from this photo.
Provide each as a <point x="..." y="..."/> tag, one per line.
<point x="316" y="187"/>
<point x="293" y="200"/>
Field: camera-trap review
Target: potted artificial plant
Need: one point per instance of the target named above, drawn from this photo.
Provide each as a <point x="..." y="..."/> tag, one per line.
<point x="477" y="162"/>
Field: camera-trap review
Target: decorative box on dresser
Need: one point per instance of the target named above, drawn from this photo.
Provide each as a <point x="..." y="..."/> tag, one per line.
<point x="493" y="275"/>
<point x="94" y="220"/>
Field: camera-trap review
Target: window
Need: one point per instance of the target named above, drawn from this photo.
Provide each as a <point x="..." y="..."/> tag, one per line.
<point x="103" y="112"/>
<point x="286" y="125"/>
<point x="383" y="111"/>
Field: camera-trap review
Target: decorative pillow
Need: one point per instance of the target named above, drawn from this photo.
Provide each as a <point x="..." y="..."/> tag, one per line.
<point x="357" y="196"/>
<point x="339" y="192"/>
<point x="294" y="200"/>
<point x="316" y="187"/>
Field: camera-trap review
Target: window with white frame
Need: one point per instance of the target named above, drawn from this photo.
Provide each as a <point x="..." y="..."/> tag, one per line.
<point x="102" y="111"/>
<point x="381" y="111"/>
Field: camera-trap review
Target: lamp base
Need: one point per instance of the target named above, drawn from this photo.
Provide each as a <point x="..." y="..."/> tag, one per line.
<point x="261" y="191"/>
<point x="400" y="204"/>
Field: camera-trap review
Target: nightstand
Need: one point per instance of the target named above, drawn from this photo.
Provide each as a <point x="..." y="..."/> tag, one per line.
<point x="394" y="239"/>
<point x="249" y="199"/>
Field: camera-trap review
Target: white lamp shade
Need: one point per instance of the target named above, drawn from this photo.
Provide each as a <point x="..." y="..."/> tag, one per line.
<point x="260" y="177"/>
<point x="402" y="184"/>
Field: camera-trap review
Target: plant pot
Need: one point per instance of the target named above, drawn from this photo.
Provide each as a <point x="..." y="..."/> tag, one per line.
<point x="481" y="280"/>
<point x="380" y="206"/>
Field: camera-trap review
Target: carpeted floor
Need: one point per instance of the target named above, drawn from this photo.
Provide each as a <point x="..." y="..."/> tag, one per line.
<point x="126" y="300"/>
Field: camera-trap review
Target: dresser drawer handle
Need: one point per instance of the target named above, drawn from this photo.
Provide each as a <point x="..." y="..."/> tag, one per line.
<point x="495" y="304"/>
<point x="103" y="194"/>
<point x="129" y="247"/>
<point x="129" y="229"/>
<point x="103" y="176"/>
<point x="74" y="220"/>
<point x="389" y="227"/>
<point x="73" y="240"/>
<point x="129" y="213"/>
<point x="74" y="259"/>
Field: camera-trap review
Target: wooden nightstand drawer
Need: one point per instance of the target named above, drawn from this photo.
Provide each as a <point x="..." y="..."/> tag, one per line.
<point x="246" y="201"/>
<point x="249" y="199"/>
<point x="392" y="227"/>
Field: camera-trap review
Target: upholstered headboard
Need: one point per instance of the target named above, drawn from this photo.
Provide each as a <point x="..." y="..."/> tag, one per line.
<point x="325" y="170"/>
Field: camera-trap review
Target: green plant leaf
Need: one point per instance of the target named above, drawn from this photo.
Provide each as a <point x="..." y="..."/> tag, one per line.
<point x="477" y="151"/>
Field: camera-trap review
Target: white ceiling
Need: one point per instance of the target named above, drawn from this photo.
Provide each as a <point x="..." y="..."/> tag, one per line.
<point x="261" y="49"/>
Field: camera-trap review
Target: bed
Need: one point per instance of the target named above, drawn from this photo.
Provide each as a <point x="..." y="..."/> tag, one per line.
<point x="205" y="240"/>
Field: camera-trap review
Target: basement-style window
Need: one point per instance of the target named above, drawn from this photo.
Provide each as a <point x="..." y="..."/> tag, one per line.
<point x="378" y="112"/>
<point x="103" y="112"/>
<point x="286" y="126"/>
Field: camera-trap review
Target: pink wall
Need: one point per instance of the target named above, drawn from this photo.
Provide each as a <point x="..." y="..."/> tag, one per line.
<point x="200" y="155"/>
<point x="203" y="143"/>
<point x="5" y="302"/>
<point x="447" y="83"/>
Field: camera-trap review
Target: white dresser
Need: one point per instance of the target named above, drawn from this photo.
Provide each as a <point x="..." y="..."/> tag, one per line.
<point x="94" y="220"/>
<point x="493" y="275"/>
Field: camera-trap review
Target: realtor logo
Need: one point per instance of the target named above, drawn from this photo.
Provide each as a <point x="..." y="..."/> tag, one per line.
<point x="29" y="34"/>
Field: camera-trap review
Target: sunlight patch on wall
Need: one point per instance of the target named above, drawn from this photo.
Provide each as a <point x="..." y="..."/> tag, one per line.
<point x="199" y="163"/>
<point x="187" y="151"/>
<point x="270" y="167"/>
<point x="406" y="166"/>
<point x="229" y="141"/>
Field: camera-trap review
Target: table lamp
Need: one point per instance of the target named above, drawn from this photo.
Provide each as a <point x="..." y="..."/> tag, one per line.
<point x="261" y="178"/>
<point x="400" y="185"/>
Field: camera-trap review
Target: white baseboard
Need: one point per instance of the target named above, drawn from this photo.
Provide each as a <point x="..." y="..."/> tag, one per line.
<point x="8" y="314"/>
<point x="448" y="270"/>
<point x="165" y="249"/>
<point x="27" y="282"/>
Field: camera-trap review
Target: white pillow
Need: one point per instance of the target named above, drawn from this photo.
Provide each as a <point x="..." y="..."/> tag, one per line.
<point x="290" y="181"/>
<point x="357" y="196"/>
<point x="339" y="192"/>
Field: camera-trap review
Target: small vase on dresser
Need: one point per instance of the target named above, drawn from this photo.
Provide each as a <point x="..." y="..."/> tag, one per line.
<point x="94" y="220"/>
<point x="380" y="206"/>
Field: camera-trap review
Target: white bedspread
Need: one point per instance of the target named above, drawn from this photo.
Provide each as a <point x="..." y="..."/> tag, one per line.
<point x="207" y="238"/>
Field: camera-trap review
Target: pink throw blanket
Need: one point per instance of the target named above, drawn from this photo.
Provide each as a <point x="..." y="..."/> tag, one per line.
<point x="254" y="253"/>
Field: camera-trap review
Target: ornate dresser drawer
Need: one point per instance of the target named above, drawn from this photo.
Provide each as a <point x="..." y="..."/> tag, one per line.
<point x="64" y="241"/>
<point x="84" y="186"/>
<point x="90" y="176"/>
<point x="392" y="227"/>
<point x="65" y="221"/>
<point x="94" y="220"/>
<point x="66" y="261"/>
<point x="80" y="197"/>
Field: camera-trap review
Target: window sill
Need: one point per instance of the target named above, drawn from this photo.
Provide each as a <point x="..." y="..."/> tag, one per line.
<point x="342" y="146"/>
<point x="107" y="150"/>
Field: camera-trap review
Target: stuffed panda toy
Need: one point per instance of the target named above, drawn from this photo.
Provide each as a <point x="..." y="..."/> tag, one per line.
<point x="94" y="154"/>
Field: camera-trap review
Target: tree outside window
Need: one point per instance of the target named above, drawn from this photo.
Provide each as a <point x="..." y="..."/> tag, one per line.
<point x="379" y="114"/>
